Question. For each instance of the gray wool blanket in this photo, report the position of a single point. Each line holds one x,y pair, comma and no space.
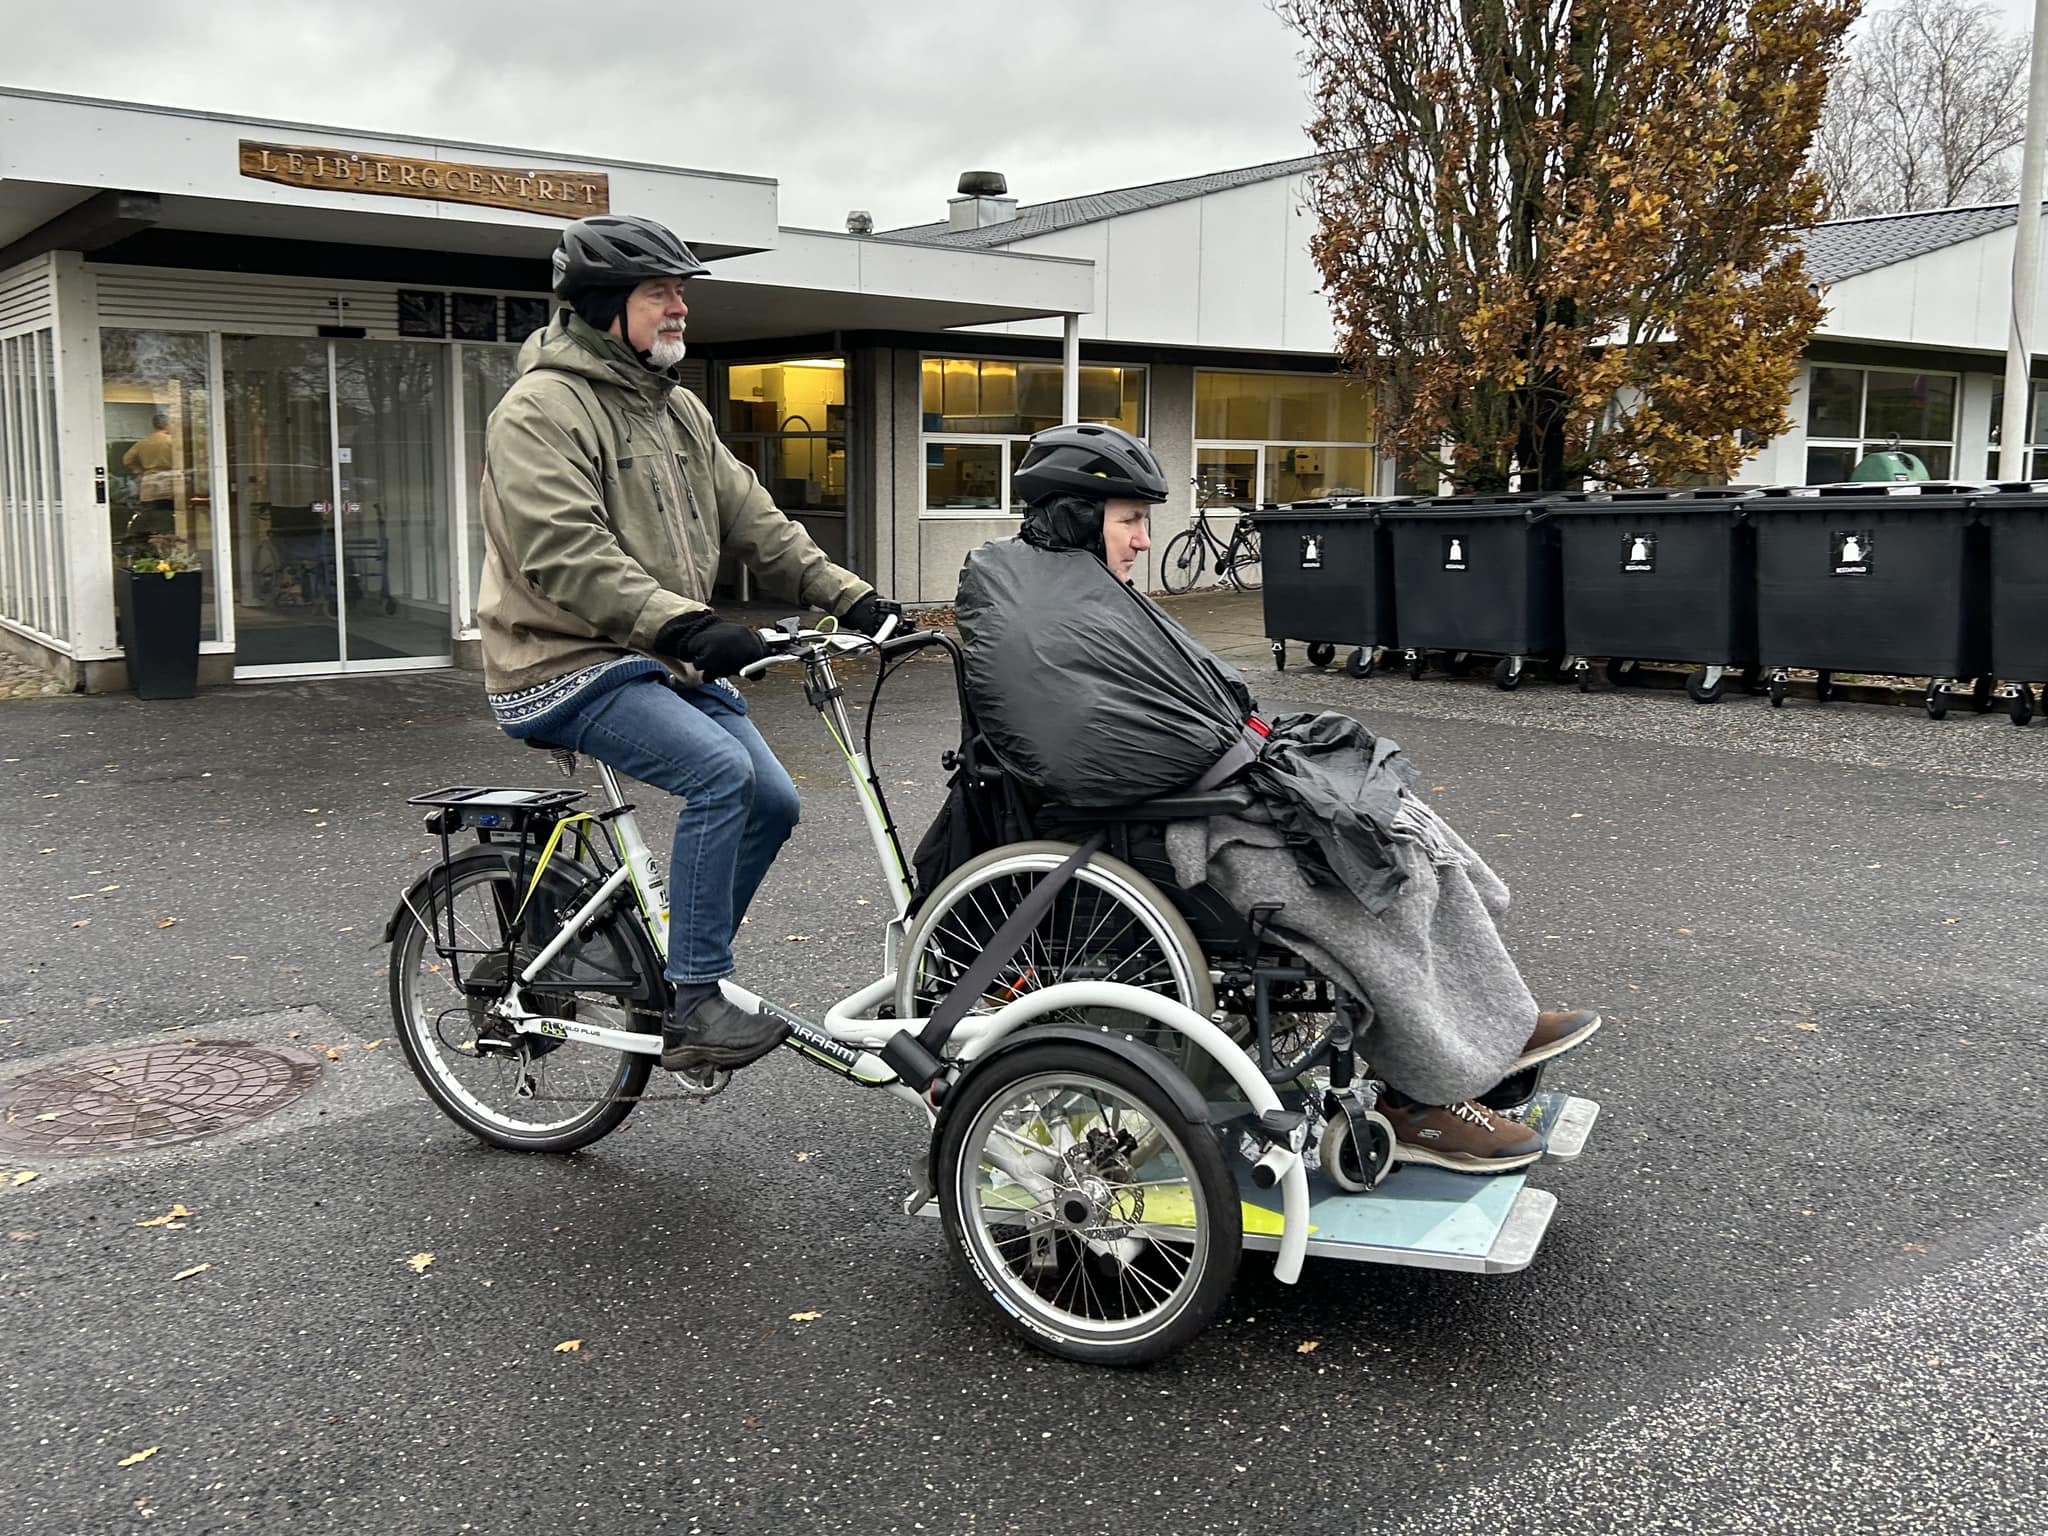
1451,1012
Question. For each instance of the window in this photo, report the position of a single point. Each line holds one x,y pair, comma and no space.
34,580
1282,437
787,423
156,413
2037,455
979,413
1851,412
487,372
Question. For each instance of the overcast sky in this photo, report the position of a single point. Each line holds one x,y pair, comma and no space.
876,105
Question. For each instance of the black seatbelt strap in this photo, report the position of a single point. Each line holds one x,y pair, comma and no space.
1005,942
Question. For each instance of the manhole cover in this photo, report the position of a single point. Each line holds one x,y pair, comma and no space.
149,1096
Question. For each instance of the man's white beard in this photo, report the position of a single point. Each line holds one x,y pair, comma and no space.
667,351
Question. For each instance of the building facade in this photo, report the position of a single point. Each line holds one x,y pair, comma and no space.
279,343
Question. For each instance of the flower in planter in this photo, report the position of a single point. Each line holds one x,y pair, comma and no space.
166,556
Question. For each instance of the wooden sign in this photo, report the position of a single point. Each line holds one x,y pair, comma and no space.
564,194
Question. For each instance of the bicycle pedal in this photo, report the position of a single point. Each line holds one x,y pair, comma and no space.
703,1082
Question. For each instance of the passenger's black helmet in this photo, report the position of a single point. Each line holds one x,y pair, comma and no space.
1094,462
618,251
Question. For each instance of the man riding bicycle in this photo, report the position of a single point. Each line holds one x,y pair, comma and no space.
608,502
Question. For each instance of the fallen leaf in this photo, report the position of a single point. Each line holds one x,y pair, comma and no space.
1916,1247
749,1421
569,1347
83,922
805,1317
796,938
1308,1346
196,1269
419,1262
21,1237
51,1114
1685,933
1436,789
175,1213
805,1157
1808,1025
333,1054
27,1177
293,1034
106,888
486,1284
169,922
129,1461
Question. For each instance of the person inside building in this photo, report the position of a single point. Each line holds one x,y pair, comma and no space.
1372,885
153,461
608,502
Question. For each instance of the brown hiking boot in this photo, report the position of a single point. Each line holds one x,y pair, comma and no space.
1466,1138
1555,1034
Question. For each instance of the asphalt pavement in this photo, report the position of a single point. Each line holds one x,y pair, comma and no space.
1793,1284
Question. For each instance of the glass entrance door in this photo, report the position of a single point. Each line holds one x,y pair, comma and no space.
337,471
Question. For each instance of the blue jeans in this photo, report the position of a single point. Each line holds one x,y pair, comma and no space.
739,805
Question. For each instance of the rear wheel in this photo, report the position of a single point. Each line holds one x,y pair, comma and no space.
1103,1222
523,1092
1244,560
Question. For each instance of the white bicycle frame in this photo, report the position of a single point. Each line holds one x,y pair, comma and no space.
851,1035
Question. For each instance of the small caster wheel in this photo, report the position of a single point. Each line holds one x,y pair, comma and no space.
1357,1149
1507,673
1777,690
1321,654
1584,673
1700,691
1824,687
1416,665
1620,674
2023,705
1937,702
1981,694
1360,663
1279,655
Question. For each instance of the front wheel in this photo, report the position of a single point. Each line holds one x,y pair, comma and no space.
1099,1218
1182,562
522,1092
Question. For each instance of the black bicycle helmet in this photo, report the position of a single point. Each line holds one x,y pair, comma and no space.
1096,463
618,251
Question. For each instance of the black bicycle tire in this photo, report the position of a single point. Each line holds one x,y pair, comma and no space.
1170,557
408,947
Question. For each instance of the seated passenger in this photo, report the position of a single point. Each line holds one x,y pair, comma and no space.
1092,696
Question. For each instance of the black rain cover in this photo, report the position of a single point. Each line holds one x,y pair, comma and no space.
1082,687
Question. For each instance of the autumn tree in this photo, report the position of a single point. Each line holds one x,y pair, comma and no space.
1927,110
1561,237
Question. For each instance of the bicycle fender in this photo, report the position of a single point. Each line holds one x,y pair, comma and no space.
1187,1098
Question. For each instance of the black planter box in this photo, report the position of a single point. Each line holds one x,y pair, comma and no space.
160,632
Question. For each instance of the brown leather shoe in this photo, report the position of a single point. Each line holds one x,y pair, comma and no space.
1555,1034
1466,1138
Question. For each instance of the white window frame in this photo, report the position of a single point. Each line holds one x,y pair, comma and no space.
1382,467
1008,442
1859,444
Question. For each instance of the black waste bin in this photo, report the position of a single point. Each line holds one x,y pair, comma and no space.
1475,575
1884,578
1659,575
2016,521
1328,580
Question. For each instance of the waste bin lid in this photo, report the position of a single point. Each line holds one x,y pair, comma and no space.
1868,489
1320,511
1530,506
1703,500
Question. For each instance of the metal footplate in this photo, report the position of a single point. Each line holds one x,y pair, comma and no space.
1430,1218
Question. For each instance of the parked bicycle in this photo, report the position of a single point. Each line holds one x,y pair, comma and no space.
1190,554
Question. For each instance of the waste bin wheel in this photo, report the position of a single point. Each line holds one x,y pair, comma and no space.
1279,655
1585,676
1981,694
1417,662
1507,673
1321,654
1360,662
1700,691
2023,705
1937,702
1824,687
1777,693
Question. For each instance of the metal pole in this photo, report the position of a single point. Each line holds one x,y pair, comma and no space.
1070,356
2013,454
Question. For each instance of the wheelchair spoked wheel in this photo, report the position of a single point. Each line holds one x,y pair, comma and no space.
524,1093
1104,1223
1109,924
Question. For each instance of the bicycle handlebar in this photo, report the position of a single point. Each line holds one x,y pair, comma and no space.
787,644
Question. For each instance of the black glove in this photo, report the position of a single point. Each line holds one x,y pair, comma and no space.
870,611
713,646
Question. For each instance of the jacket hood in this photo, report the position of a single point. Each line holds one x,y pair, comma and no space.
1065,522
572,345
